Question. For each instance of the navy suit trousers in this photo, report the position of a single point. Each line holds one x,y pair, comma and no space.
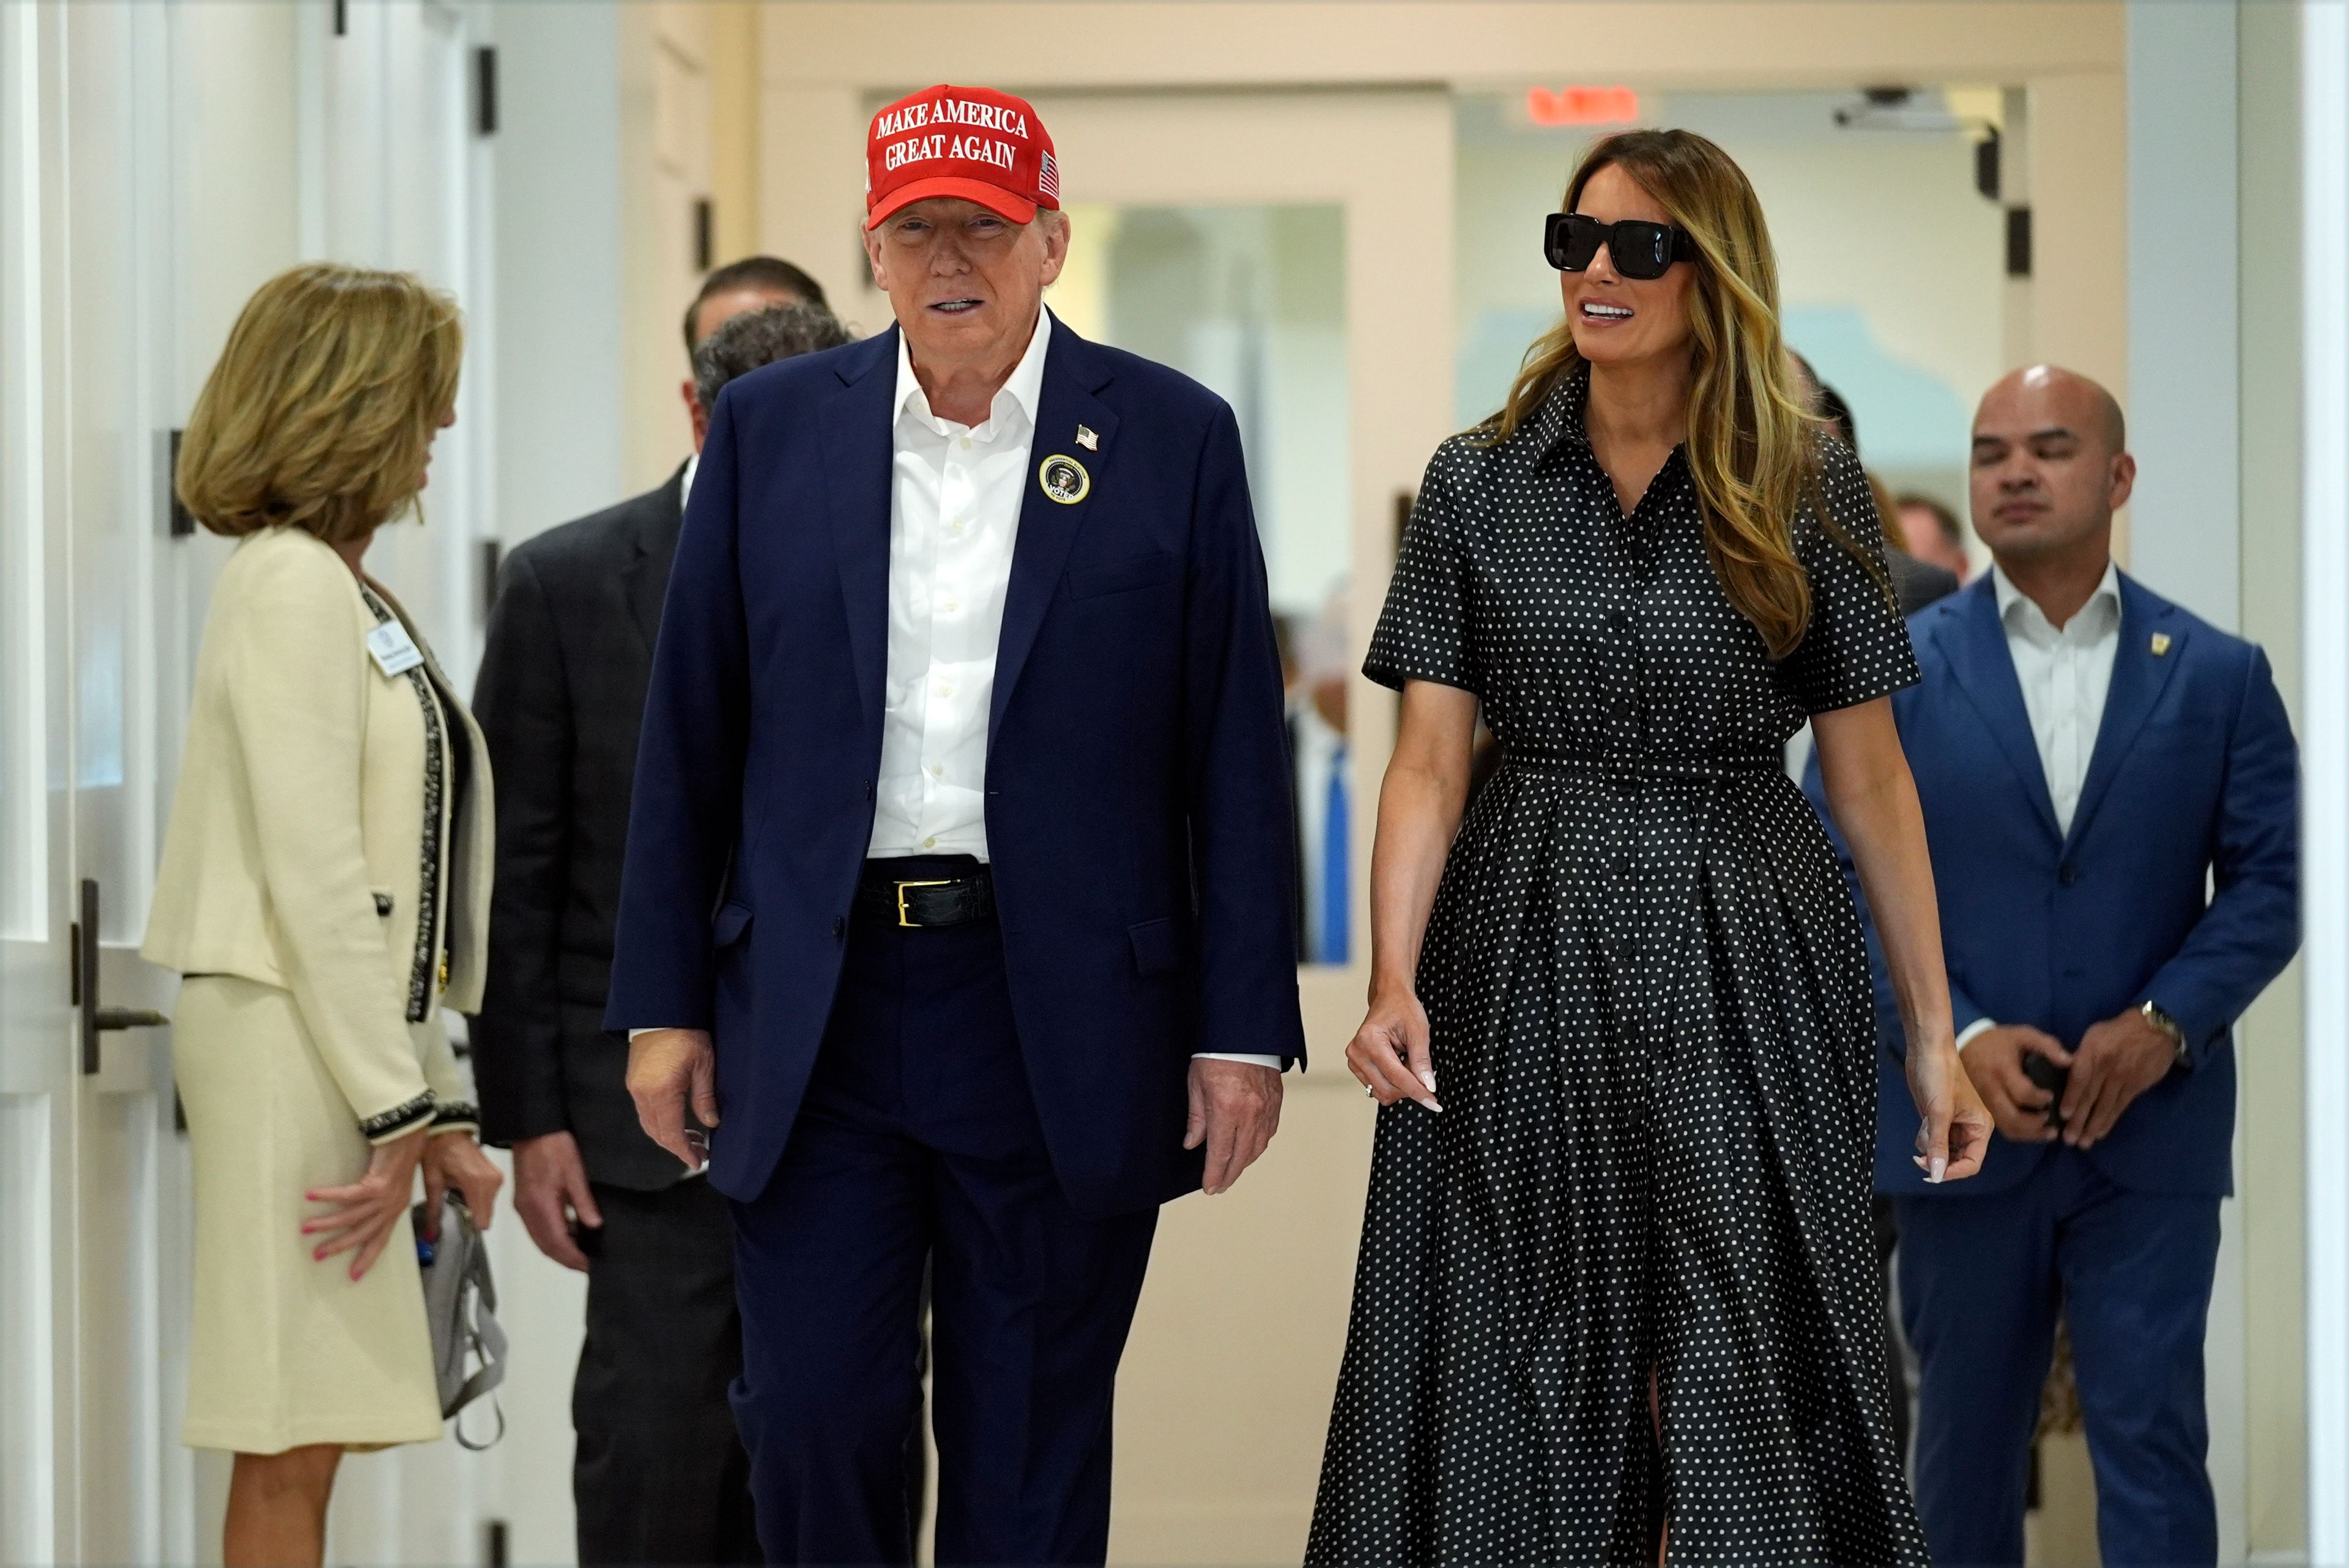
918,1143
1981,1282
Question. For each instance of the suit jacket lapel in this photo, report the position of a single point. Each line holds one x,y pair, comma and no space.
1984,668
1073,372
655,548
2139,676
858,422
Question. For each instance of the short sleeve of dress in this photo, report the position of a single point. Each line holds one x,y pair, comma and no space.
1424,631
1856,648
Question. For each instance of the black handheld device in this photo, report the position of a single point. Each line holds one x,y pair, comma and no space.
2048,1076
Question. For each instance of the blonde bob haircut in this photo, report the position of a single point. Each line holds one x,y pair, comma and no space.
1751,439
321,412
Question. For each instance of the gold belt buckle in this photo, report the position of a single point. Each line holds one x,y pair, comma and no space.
902,917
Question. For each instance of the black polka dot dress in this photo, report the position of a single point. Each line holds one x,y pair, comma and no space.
1653,1044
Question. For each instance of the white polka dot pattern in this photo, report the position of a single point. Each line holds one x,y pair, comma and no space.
1653,1036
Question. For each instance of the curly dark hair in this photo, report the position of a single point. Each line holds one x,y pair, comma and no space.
761,338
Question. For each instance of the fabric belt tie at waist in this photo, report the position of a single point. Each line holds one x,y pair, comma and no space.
928,902
1690,769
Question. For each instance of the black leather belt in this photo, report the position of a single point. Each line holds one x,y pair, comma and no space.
928,902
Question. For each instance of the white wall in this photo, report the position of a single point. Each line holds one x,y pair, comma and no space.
2184,526
559,247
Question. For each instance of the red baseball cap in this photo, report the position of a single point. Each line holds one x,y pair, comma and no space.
973,142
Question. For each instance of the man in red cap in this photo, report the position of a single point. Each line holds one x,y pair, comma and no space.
960,872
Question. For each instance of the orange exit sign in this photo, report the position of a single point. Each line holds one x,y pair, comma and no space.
1582,106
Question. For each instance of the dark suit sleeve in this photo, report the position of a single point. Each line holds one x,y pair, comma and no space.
2251,928
1240,800
1889,1032
524,705
688,788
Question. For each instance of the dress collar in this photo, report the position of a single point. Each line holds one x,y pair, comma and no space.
1025,389
1559,419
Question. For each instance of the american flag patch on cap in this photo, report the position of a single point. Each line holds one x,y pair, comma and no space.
1047,178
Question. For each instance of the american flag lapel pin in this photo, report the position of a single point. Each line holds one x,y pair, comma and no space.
1087,439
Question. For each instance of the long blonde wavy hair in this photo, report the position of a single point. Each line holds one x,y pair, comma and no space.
1752,441
321,411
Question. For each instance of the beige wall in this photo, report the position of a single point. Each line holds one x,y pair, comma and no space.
665,147
733,36
691,130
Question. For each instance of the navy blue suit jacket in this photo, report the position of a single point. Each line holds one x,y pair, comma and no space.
1138,818
2179,882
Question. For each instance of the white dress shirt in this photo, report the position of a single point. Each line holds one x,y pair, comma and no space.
2065,676
954,495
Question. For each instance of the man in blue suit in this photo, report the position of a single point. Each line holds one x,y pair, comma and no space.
959,875
2109,790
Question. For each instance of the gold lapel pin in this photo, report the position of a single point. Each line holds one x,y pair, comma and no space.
2160,644
1063,479
1087,439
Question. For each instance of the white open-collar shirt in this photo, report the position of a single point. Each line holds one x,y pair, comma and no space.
955,494
2065,675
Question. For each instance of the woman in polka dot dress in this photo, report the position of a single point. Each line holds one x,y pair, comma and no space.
1616,1298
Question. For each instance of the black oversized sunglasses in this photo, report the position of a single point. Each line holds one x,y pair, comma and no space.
1642,250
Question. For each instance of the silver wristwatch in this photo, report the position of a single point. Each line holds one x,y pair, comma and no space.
2169,1026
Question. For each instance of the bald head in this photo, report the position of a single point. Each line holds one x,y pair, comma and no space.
2050,467
2079,403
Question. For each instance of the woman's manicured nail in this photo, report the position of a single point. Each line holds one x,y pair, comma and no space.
1939,1168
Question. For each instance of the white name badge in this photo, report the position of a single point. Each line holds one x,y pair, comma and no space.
394,651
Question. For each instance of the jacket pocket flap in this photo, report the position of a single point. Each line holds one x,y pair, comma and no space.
727,928
1155,951
1119,576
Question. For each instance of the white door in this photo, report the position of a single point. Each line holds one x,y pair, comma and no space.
153,166
90,1175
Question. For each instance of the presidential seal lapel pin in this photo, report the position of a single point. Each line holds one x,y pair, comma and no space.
2160,644
1064,479
1087,439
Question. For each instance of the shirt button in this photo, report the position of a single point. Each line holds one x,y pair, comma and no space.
956,526
931,843
944,690
951,605
937,769
966,443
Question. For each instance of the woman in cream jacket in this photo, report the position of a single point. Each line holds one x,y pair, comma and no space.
323,890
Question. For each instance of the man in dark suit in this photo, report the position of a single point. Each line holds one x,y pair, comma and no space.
659,1474
959,872
2109,793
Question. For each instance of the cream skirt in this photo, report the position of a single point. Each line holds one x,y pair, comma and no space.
287,1350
